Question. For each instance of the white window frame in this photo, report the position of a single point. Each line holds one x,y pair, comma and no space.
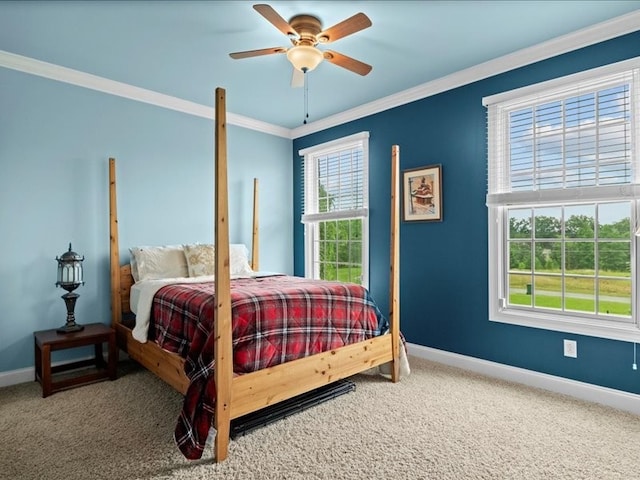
500,197
311,217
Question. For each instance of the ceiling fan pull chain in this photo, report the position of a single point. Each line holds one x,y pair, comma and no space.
306,97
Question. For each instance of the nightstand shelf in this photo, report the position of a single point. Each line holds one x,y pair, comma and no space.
47,341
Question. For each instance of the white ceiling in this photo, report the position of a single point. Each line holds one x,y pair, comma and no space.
180,48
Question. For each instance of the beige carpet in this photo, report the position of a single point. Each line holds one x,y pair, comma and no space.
439,423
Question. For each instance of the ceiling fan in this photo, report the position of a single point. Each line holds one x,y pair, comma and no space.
305,33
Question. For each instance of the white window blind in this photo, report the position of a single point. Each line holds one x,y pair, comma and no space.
564,143
335,180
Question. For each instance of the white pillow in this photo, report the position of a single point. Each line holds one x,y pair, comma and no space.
150,263
239,259
201,259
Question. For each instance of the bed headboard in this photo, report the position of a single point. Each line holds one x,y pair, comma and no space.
126,282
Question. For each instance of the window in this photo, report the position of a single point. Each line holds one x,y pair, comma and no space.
336,210
563,198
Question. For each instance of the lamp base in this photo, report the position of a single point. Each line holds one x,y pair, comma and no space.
71,325
70,328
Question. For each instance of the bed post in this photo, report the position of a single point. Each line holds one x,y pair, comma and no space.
114,251
394,278
223,370
255,260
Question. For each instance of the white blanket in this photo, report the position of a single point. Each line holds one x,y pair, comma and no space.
141,299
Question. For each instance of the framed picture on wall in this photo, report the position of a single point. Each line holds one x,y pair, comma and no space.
422,194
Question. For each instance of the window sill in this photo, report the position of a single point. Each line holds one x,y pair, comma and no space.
626,332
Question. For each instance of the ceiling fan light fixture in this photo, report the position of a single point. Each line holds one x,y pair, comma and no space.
304,57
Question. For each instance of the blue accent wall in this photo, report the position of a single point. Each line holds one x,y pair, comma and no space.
444,265
55,141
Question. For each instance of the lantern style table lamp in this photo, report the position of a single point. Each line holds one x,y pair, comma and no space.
70,278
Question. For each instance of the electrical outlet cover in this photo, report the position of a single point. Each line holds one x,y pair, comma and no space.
571,348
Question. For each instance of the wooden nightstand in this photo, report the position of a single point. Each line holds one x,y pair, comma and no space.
94,334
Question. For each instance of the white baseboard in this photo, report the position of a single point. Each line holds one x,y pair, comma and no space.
626,401
23,375
14,377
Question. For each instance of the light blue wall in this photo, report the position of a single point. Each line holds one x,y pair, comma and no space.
444,266
55,141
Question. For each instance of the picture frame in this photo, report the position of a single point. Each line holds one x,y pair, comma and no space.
422,194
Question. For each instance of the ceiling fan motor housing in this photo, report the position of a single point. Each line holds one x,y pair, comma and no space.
307,27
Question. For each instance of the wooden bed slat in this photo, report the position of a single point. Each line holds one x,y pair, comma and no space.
166,365
256,390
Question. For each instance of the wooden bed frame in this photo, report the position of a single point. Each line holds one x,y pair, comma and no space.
237,396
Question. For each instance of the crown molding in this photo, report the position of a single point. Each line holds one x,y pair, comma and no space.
260,126
112,87
572,41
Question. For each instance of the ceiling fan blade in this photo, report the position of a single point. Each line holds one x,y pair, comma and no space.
351,25
257,53
276,20
349,63
297,78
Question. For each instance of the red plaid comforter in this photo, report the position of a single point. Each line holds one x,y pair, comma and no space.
275,319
